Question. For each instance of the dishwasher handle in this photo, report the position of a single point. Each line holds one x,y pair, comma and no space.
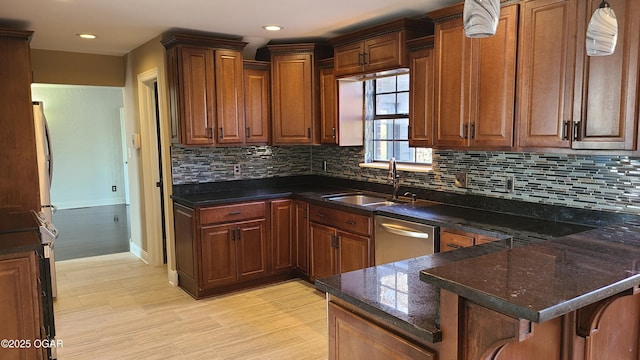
403,231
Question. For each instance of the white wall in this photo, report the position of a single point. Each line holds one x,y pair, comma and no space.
85,128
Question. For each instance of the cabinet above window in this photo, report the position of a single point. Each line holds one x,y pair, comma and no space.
377,48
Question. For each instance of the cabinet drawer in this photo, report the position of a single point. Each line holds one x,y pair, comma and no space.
450,241
343,220
233,212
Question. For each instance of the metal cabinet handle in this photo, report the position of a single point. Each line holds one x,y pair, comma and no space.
221,133
350,222
233,234
465,129
235,213
401,230
209,133
454,246
576,131
248,132
472,131
333,134
320,215
565,130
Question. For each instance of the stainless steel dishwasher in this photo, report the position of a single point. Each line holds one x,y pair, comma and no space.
399,239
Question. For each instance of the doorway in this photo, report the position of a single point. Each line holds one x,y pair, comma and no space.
155,174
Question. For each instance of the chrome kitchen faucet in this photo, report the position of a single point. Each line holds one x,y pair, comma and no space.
394,177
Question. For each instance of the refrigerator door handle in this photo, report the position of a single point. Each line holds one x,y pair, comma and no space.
50,150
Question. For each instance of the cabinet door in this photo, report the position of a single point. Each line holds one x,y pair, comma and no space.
301,235
257,110
606,92
494,84
348,58
452,93
282,235
229,95
251,249
545,72
323,258
384,52
351,334
198,97
19,304
421,66
218,255
184,225
328,107
354,252
292,98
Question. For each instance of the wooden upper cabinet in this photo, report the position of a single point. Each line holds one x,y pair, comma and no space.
377,48
257,102
474,82
545,73
341,108
295,93
421,67
205,86
328,104
229,96
605,111
19,186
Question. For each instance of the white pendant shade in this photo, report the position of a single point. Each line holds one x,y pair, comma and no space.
602,32
481,18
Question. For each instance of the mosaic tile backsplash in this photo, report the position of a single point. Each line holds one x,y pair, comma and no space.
610,183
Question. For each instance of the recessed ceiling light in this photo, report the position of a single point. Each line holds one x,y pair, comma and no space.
272,27
86,36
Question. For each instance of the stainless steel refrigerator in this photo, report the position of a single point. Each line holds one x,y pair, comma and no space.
48,231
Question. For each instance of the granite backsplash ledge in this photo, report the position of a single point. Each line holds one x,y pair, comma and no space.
610,183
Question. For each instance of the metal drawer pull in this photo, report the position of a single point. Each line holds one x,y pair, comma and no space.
350,222
454,246
235,213
401,230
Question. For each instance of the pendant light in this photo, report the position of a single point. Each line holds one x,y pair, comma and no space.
602,32
481,18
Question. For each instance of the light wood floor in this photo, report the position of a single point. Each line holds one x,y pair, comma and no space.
117,307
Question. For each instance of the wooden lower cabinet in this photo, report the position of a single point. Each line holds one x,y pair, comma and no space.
20,309
353,337
301,232
233,252
339,241
224,248
452,239
282,234
608,329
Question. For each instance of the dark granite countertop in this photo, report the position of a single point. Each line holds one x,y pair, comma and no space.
542,281
395,292
24,241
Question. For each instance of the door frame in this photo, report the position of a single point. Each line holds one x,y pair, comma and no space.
150,157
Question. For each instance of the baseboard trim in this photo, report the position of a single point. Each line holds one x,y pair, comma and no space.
138,252
173,277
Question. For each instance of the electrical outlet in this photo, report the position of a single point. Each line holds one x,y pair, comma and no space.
461,180
509,184
236,170
114,188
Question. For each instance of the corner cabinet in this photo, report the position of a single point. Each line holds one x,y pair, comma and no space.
339,241
475,82
295,92
452,239
421,72
257,102
377,48
205,90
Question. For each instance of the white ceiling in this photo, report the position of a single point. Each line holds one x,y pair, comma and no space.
123,25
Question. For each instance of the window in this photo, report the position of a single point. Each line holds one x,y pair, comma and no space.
387,125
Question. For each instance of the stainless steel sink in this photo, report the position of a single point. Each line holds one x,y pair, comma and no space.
362,200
